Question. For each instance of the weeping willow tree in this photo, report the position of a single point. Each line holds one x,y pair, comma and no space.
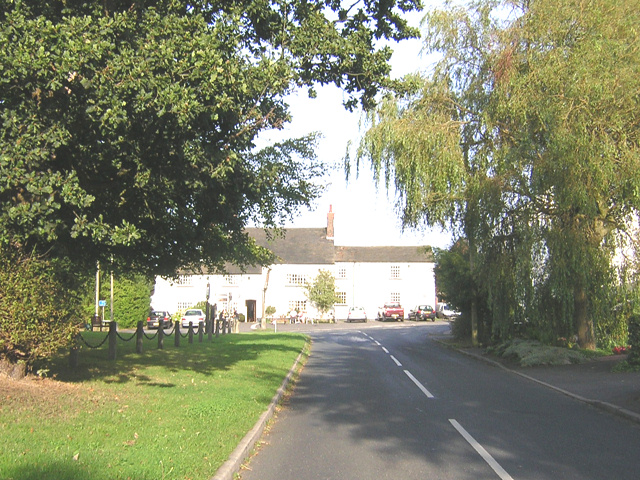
566,97
432,140
523,137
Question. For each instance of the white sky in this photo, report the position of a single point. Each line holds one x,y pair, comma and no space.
364,214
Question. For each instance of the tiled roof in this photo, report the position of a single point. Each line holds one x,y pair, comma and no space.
384,254
302,246
299,246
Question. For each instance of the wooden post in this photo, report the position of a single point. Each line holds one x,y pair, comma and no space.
161,336
139,337
113,339
190,332
177,334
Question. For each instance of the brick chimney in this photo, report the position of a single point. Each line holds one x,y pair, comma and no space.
330,223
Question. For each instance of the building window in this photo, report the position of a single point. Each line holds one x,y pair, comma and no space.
296,279
185,280
395,297
342,273
395,272
342,297
298,305
184,306
230,280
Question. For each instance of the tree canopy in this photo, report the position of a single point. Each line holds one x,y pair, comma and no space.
129,128
525,135
321,292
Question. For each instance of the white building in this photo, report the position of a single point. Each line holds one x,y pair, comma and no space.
365,276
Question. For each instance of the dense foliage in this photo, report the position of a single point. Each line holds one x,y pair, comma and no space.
128,129
321,292
39,312
524,137
131,299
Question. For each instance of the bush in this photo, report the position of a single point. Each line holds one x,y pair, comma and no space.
40,311
634,340
131,298
530,353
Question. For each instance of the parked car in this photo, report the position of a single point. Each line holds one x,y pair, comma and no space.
422,312
393,311
159,317
445,311
356,314
194,315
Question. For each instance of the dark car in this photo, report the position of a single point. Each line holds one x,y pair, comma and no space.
423,312
158,317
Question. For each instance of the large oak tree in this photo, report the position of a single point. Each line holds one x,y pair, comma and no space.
128,128
128,132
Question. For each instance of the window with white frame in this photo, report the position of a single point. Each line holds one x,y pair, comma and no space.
342,272
185,280
395,272
342,296
231,279
296,279
184,305
395,297
298,305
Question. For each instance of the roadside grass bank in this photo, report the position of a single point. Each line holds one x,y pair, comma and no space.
175,413
530,353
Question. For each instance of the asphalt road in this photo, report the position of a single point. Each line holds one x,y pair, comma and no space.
384,401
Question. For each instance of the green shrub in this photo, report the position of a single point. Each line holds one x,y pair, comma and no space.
634,340
131,299
39,306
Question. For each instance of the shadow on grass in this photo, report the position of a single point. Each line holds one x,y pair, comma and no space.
57,470
208,357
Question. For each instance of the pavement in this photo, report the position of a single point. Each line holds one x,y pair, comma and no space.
593,382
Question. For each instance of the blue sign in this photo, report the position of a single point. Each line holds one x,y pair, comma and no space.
102,303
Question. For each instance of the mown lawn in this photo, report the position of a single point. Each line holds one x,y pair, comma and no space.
175,413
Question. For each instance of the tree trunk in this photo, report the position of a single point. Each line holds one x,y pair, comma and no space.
474,293
13,370
582,321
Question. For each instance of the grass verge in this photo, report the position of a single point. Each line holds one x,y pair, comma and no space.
175,413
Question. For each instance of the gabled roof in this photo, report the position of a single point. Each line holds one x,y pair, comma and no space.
310,246
420,254
299,246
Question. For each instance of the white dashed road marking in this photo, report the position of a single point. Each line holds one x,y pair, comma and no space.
481,451
419,385
395,360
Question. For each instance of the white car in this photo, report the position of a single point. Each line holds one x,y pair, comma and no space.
194,315
356,314
445,311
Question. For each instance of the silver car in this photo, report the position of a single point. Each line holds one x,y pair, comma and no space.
194,315
356,314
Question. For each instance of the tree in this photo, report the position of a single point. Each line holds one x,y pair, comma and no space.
429,137
128,128
568,119
321,292
525,136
